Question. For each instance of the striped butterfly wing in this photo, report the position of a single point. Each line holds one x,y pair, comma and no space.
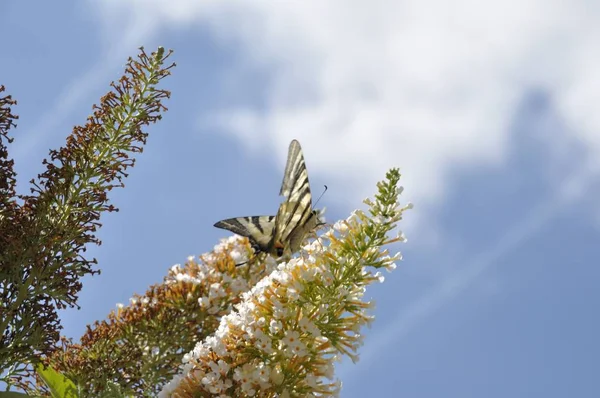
296,217
258,229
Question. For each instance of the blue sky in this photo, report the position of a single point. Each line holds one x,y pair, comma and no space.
489,109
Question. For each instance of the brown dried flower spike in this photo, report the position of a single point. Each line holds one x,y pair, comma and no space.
43,236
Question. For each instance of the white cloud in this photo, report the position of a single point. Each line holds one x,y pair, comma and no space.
415,84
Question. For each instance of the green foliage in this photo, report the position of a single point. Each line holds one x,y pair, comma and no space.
58,385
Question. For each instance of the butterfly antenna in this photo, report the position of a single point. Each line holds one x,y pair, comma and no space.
320,196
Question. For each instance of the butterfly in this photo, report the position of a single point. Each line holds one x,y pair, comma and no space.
283,234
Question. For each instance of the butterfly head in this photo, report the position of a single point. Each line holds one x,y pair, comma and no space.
319,215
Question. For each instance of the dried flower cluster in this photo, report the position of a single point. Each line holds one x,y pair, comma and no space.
43,236
284,337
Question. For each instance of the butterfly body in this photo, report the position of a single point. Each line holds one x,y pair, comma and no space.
283,234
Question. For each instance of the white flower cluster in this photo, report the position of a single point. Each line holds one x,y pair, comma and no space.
206,268
269,331
220,286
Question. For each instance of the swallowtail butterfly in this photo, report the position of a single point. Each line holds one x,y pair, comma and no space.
282,235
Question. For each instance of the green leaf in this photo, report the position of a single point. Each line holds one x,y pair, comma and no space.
60,386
